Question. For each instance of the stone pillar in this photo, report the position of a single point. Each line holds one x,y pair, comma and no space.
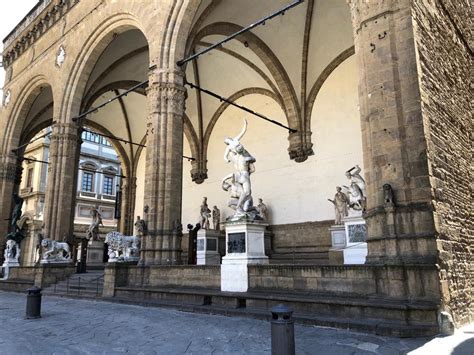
61,185
127,208
392,134
10,178
164,165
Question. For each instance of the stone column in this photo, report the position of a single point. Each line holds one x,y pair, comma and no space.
392,134
10,178
129,191
61,185
164,165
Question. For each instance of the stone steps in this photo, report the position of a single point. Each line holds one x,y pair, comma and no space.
87,285
383,317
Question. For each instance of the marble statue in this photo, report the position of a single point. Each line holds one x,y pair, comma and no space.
122,247
216,218
262,210
93,230
14,238
12,253
340,203
140,227
61,56
389,200
205,214
239,182
356,191
55,251
7,98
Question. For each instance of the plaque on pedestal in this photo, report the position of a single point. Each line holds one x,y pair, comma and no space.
208,247
244,245
349,241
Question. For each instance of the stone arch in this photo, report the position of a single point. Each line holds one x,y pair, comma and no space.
20,109
178,26
224,105
322,79
94,46
258,46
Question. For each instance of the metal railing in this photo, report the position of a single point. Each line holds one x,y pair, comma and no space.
73,288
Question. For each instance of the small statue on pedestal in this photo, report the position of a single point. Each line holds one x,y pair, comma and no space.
205,214
140,227
92,232
216,218
262,210
340,203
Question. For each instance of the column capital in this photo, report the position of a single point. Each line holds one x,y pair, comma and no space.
300,146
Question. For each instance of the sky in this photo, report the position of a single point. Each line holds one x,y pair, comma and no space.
11,13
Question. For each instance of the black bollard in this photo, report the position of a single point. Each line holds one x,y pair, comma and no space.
283,331
33,303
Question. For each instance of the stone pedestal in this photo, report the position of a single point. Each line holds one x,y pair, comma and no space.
95,253
244,245
6,268
208,247
349,241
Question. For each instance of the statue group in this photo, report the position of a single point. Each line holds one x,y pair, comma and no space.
349,197
238,183
17,226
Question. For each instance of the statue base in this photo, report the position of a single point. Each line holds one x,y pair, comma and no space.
129,259
349,244
6,268
208,247
95,253
56,262
245,244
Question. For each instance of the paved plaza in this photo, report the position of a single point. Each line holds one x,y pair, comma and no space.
71,326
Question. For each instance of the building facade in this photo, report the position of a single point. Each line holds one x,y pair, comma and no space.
357,83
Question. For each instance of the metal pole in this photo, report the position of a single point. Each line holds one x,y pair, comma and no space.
243,30
210,93
125,93
283,332
79,287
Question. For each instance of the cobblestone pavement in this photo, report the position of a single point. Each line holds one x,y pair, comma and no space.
89,327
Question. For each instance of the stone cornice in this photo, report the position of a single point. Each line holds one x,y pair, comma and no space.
38,21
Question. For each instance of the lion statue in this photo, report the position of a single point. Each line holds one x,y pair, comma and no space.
53,250
122,247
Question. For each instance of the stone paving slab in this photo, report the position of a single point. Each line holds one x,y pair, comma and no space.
72,326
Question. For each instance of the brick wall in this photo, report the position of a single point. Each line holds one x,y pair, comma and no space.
444,56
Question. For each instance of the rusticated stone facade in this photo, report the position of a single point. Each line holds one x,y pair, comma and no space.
444,38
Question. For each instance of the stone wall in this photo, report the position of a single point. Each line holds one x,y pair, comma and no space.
195,276
443,41
301,242
414,282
